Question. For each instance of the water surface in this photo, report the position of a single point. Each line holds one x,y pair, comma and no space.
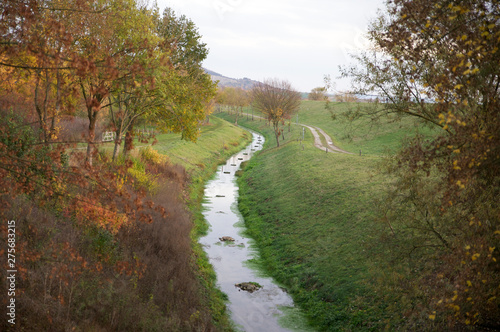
260,310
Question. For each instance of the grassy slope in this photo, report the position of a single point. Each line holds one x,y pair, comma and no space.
217,142
360,135
311,214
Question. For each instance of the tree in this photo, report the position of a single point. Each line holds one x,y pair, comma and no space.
318,94
277,100
116,50
438,61
182,88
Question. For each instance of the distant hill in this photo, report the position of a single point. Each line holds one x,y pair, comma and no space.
244,83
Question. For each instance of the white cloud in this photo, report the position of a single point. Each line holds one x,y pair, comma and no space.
296,40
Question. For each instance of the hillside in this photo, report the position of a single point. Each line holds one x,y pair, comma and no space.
244,83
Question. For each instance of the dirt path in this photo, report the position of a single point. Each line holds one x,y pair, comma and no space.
319,144
330,147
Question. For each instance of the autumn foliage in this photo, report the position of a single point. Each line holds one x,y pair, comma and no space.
438,61
97,246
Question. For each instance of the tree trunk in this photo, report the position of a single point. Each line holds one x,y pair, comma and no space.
276,128
129,136
90,145
118,142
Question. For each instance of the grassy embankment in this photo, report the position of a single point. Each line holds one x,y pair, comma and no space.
312,216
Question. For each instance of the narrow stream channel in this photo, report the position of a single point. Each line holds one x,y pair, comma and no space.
257,311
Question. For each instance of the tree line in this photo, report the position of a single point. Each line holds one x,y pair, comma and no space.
114,57
99,244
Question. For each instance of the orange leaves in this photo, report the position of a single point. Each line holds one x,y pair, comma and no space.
93,213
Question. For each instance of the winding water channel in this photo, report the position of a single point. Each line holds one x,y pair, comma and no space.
261,309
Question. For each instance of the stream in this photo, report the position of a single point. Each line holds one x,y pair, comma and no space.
260,310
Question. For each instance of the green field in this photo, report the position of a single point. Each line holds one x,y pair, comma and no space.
313,217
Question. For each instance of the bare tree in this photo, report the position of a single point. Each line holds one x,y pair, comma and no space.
278,100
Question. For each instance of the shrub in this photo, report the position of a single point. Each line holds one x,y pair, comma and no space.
148,154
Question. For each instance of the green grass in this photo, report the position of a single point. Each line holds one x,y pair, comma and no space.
215,139
371,138
312,217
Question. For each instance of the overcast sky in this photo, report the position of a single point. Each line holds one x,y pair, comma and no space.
300,41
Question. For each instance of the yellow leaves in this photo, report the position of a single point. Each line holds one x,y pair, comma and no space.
457,151
404,16
469,283
432,316
455,166
475,256
467,247
466,72
458,86
460,184
496,232
475,70
491,26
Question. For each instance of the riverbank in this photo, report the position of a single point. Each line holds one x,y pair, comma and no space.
217,142
311,214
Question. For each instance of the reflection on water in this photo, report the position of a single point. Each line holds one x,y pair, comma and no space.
257,311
